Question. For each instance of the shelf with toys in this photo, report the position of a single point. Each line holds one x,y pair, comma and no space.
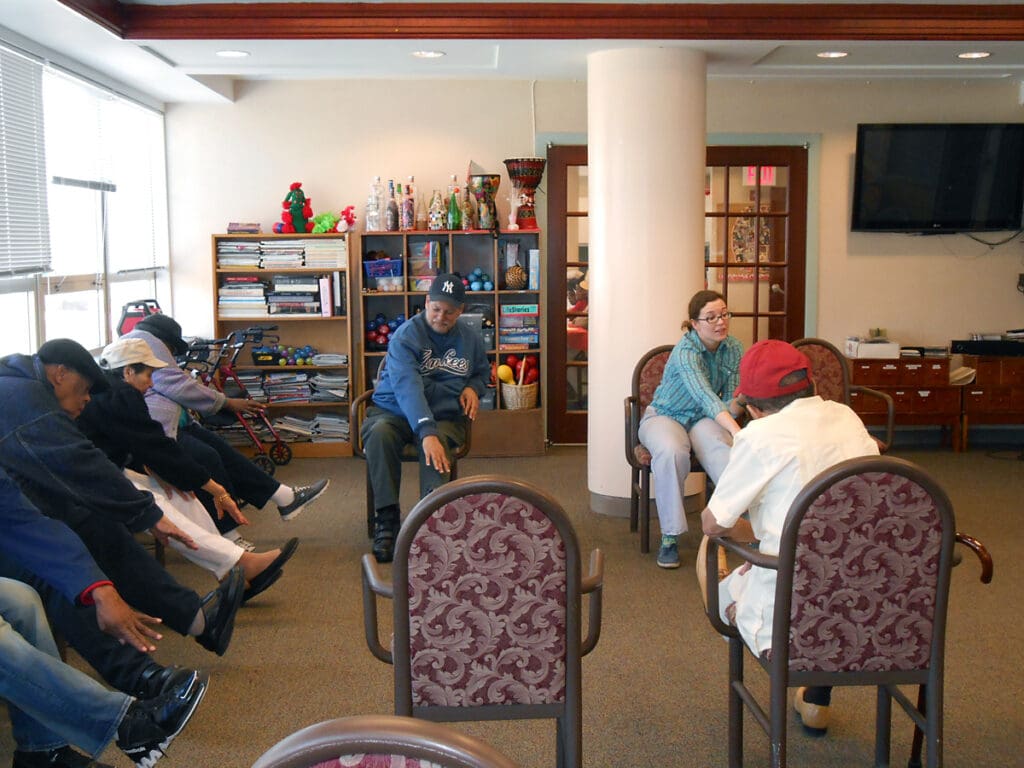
299,283
501,272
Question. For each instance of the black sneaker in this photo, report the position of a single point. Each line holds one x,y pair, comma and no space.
303,496
220,607
149,726
385,530
64,757
156,680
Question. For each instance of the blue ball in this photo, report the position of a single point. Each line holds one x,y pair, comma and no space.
476,272
476,285
400,317
488,285
393,324
381,317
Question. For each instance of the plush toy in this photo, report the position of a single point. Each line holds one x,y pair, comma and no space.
324,222
347,220
297,209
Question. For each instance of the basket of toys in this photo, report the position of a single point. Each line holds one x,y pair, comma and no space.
516,397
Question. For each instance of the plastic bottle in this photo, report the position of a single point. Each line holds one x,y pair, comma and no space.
454,218
391,212
373,206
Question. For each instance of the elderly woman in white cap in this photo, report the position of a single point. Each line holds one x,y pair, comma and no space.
118,422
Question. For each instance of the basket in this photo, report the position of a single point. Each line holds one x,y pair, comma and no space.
383,268
518,398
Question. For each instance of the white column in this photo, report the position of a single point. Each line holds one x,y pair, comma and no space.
646,158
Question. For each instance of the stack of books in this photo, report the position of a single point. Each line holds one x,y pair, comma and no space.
244,227
243,254
330,428
326,254
286,387
282,254
518,326
242,296
330,358
294,295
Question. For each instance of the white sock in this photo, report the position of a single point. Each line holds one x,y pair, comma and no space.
283,496
198,624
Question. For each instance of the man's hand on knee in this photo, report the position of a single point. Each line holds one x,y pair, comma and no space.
434,454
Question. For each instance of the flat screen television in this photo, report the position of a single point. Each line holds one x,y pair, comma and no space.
938,177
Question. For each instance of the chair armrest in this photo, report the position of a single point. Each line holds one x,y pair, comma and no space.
632,422
593,586
356,415
745,553
981,551
374,584
467,446
890,412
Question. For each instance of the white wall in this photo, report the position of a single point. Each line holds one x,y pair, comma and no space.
235,162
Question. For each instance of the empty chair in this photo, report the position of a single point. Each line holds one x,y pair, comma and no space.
861,599
380,741
832,378
486,587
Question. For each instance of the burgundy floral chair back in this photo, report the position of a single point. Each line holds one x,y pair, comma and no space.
381,741
487,593
646,377
861,598
832,378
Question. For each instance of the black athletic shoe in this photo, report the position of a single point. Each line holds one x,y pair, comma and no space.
303,496
64,757
149,726
220,607
385,530
156,680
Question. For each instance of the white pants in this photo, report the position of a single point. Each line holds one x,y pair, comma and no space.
670,447
215,553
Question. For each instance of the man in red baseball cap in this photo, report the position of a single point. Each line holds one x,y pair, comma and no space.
793,435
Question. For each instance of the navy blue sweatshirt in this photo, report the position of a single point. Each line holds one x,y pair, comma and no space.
425,373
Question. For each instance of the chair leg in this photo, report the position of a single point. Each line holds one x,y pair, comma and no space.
918,742
735,703
645,511
559,743
933,724
634,498
370,512
777,722
883,728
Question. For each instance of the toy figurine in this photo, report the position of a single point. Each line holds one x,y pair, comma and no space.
297,209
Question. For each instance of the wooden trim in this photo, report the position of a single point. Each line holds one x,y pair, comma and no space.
109,14
568,21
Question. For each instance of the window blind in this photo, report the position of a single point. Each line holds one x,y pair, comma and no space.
24,219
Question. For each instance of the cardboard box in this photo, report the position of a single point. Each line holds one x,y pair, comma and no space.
879,349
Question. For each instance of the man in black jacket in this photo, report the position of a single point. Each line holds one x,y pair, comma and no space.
71,480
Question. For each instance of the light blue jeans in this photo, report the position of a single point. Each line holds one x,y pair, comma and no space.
50,704
670,447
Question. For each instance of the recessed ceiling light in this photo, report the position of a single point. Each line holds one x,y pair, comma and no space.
233,54
428,54
833,55
974,55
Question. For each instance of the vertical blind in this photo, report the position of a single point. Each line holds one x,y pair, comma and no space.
24,221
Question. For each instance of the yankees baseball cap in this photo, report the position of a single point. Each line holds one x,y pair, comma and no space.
448,287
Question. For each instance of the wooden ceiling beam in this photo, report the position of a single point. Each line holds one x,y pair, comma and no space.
557,21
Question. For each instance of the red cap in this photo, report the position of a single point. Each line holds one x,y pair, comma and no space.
765,364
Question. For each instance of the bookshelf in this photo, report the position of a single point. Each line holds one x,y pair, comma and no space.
300,283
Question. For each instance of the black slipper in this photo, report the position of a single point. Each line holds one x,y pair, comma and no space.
262,581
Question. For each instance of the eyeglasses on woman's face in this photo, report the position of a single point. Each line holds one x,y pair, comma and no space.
712,319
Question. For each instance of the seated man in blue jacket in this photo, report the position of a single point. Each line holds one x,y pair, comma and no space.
51,704
430,383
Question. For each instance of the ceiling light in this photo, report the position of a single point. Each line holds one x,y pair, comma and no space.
974,55
428,54
833,55
233,54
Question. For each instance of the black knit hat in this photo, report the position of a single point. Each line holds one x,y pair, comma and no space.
165,328
73,355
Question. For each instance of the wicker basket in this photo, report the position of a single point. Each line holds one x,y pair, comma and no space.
516,398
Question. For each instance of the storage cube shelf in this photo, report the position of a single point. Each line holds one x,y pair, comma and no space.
422,254
268,270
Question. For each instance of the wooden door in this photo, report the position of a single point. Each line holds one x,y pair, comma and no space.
754,253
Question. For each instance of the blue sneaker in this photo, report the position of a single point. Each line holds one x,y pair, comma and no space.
668,556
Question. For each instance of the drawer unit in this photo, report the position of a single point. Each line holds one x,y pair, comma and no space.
913,371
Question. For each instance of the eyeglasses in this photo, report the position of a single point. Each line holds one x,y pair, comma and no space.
712,319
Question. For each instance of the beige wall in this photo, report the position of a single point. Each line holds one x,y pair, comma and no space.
235,162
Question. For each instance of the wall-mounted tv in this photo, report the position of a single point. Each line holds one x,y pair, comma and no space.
932,177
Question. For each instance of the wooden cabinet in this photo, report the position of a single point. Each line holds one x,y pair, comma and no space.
996,396
919,387
241,260
392,290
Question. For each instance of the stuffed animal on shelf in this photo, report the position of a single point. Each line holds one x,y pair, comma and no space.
297,210
347,220
325,222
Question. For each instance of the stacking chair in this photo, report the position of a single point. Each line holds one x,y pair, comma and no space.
861,599
646,378
380,741
356,417
832,377
486,589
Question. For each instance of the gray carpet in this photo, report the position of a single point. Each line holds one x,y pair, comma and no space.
654,689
